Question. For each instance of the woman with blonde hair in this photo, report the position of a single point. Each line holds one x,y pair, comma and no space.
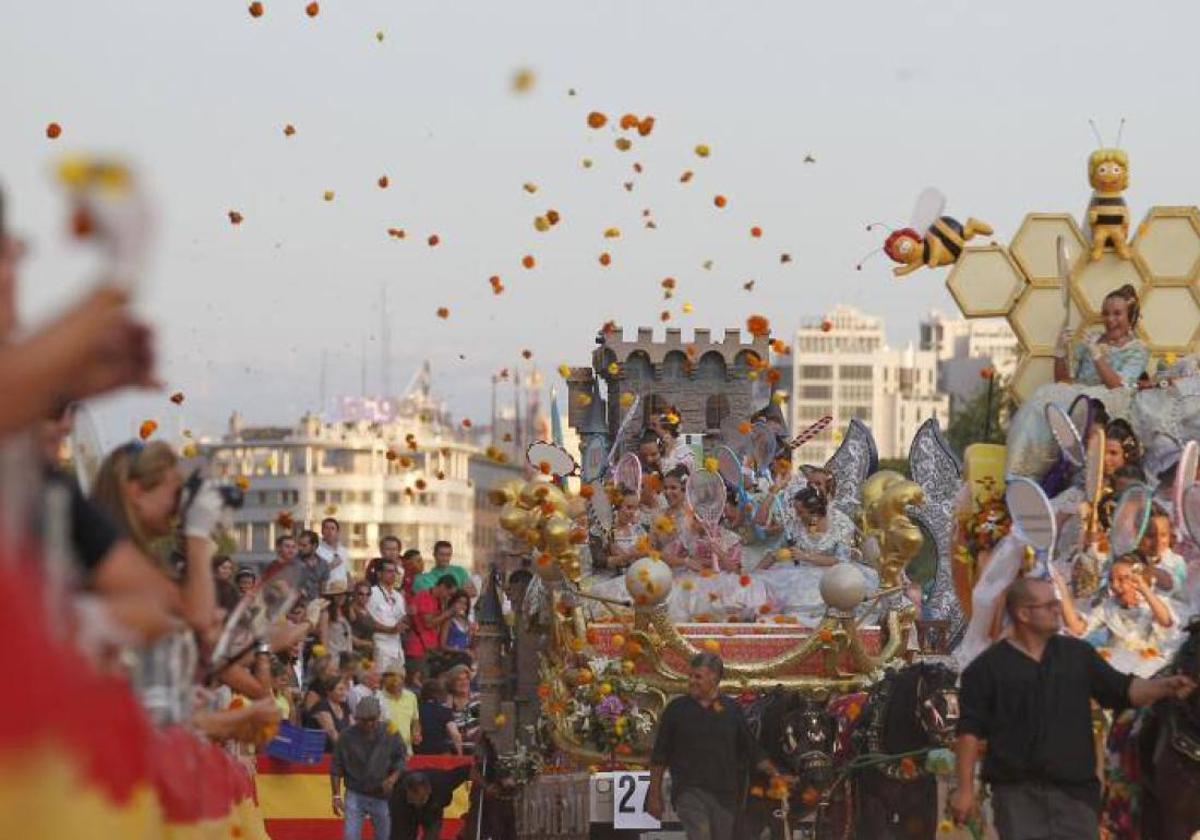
141,487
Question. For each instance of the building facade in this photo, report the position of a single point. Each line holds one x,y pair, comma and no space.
411,474
842,366
964,348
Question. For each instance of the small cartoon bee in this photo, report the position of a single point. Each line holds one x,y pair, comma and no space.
942,242
1107,214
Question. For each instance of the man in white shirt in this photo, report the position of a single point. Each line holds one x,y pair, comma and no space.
332,553
386,608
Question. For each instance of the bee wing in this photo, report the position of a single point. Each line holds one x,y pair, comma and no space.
930,204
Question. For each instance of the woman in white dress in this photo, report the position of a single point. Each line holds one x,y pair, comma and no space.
624,545
1106,365
675,452
823,537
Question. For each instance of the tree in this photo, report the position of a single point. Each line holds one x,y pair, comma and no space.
968,424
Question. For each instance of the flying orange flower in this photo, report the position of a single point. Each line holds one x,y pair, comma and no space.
256,9
397,233
433,240
383,182
629,121
443,312
645,126
235,218
826,325
312,9
758,326
53,131
605,259
528,261
177,398
686,176
497,285
720,201
586,491
289,130
147,428
466,422
596,120
756,232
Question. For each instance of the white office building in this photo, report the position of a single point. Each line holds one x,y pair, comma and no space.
842,366
964,347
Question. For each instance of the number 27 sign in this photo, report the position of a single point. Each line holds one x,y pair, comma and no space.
629,801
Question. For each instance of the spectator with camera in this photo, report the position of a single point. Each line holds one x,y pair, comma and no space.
429,610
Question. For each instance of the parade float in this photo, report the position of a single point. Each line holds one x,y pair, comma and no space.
824,696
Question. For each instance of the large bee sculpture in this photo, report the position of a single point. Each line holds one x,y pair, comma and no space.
1107,213
941,243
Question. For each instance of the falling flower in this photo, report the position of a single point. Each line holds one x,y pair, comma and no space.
379,36
586,163
629,121
710,464
702,150
528,261
665,315
433,240
289,130
147,428
177,398
625,400
744,427
780,346
712,645
583,400
312,9
466,422
756,232
541,224
397,233
612,233
328,195
564,370
189,450
988,373
523,80
544,467
235,218
686,176
497,285
613,368
596,120
420,484
383,182
758,326
785,258
443,312
586,491
242,483
687,308
53,131
256,9
285,520
623,144
645,126
826,325
553,217
605,259
526,354
530,187
720,201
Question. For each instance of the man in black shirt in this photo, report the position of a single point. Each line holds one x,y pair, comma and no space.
419,800
704,740
1028,697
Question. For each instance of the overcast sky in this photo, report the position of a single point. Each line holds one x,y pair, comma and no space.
989,102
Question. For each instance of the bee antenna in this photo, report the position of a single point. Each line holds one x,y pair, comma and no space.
859,265
1096,131
883,225
1120,131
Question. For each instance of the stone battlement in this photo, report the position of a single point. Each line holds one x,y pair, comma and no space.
730,346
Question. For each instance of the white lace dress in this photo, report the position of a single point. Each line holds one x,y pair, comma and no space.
794,586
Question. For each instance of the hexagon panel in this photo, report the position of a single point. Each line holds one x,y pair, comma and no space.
1167,245
1032,373
985,281
1170,319
1094,280
1035,246
1037,319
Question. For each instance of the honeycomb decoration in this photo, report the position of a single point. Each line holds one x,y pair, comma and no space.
1021,282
